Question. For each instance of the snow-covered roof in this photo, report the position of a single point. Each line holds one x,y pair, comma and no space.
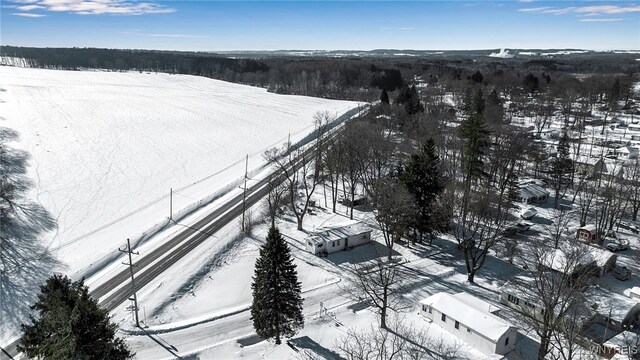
340,231
627,149
532,190
588,227
601,256
634,292
623,339
556,259
619,308
472,313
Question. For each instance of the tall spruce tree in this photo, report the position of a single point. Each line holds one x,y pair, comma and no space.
276,310
423,178
384,96
474,135
561,168
68,324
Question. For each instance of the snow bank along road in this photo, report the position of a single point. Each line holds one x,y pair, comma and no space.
117,290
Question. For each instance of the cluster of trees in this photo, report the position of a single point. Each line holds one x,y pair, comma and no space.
351,78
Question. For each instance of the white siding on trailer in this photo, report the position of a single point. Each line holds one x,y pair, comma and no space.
334,245
463,332
359,239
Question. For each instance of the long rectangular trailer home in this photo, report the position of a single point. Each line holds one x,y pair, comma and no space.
338,237
471,320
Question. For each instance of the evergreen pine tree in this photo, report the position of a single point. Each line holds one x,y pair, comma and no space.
477,77
384,97
530,83
276,310
70,325
561,168
423,178
404,95
474,134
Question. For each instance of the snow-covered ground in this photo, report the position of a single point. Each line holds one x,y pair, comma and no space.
107,147
204,312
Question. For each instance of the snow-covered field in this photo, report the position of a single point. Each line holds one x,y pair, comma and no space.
107,147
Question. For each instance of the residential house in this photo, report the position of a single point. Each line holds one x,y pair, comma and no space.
471,320
532,193
339,237
626,152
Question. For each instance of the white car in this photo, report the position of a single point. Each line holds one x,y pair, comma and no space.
529,213
617,245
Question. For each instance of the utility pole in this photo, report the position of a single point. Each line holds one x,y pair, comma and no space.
244,196
133,284
170,204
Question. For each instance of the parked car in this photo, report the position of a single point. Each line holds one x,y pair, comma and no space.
621,273
529,213
629,226
617,245
517,227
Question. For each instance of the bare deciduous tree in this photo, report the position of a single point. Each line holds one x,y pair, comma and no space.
481,228
553,290
393,208
376,282
299,172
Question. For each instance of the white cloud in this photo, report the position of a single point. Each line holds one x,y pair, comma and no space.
536,9
599,20
585,10
29,7
526,1
31,15
608,9
96,7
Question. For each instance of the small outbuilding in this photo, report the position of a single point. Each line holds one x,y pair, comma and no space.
532,193
605,260
626,152
471,320
588,233
339,237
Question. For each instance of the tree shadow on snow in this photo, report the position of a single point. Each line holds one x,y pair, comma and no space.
305,342
360,254
25,263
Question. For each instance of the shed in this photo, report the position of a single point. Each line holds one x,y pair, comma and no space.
588,233
532,193
338,237
627,152
605,260
471,320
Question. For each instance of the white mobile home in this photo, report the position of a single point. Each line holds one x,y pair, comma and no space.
471,320
532,193
339,237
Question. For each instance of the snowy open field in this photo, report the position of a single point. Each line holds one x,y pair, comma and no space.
104,145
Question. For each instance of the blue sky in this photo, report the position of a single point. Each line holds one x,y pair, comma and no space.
329,25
